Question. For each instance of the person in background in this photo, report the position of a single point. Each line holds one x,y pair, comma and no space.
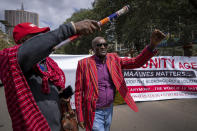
32,80
97,78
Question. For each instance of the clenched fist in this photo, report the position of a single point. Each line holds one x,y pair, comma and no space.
156,37
86,27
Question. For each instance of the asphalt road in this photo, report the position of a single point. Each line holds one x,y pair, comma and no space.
168,115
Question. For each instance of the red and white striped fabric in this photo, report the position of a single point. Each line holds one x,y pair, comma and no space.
86,86
23,110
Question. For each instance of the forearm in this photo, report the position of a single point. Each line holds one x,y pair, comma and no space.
78,100
79,111
140,60
79,93
40,46
156,37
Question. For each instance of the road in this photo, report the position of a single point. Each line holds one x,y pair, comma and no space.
168,115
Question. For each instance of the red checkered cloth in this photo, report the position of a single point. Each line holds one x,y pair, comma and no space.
24,112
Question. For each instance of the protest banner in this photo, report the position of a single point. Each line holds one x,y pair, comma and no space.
162,77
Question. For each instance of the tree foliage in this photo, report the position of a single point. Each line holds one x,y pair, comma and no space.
5,41
176,17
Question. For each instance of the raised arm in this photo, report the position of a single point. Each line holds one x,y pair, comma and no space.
136,62
40,46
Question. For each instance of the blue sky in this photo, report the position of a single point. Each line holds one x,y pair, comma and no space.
52,13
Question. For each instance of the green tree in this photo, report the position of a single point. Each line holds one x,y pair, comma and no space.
5,41
176,17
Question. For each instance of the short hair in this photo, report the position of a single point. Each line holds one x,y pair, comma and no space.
96,39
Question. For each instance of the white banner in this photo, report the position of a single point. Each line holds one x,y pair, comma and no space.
162,77
68,63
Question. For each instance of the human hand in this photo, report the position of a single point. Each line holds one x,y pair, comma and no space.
156,37
82,125
72,113
86,27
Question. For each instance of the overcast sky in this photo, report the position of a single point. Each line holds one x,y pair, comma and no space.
52,13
